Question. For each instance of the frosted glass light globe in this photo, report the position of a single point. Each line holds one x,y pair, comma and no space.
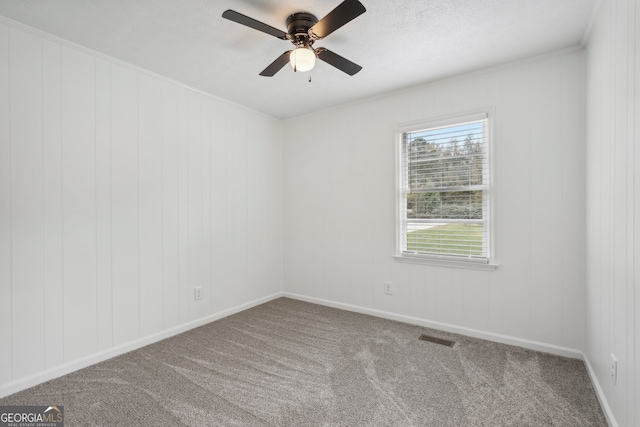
302,59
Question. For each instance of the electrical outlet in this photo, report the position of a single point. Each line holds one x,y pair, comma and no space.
614,369
388,288
197,293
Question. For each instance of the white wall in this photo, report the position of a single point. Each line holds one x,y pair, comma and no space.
339,206
120,192
613,205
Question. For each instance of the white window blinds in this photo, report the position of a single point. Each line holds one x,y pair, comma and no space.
444,183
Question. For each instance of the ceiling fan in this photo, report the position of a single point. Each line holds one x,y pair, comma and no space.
303,30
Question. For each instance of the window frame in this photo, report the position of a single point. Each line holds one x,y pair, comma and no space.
435,259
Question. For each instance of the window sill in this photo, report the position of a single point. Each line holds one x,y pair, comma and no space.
444,262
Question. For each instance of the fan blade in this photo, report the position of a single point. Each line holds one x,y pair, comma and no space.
234,16
338,61
343,13
276,65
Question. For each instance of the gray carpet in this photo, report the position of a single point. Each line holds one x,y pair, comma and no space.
291,363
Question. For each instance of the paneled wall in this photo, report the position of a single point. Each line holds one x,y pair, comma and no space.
340,215
120,192
613,206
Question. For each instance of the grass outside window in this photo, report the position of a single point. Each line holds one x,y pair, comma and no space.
455,239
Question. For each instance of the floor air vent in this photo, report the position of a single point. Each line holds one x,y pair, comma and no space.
436,340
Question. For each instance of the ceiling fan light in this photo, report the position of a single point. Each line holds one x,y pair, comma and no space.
302,59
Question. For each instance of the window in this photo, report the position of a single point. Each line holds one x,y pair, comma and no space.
443,197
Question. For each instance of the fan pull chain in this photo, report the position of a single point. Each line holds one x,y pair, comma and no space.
309,78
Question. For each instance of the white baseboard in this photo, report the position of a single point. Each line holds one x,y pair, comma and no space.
475,333
30,381
608,413
489,336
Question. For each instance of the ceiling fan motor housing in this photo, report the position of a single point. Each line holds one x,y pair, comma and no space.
298,26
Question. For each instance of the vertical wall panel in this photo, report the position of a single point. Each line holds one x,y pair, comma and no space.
5,211
124,205
379,265
430,301
448,303
606,273
573,205
399,301
150,204
195,201
292,184
598,329
546,163
256,185
276,207
239,187
496,282
255,191
27,268
632,307
205,159
619,212
367,144
634,396
515,215
52,170
183,204
358,219
476,297
417,291
219,190
313,197
104,289
170,266
336,272
79,204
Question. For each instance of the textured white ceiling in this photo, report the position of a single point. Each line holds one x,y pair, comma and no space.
399,43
